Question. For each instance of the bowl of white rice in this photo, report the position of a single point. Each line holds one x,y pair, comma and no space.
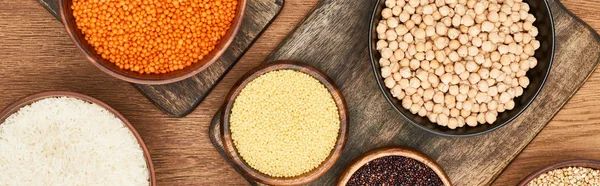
66,138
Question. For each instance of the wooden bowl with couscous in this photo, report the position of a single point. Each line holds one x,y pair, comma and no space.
152,42
284,123
15,108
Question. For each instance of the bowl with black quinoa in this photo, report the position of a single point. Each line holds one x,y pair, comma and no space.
394,166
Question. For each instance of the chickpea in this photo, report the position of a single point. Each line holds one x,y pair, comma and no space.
454,56
446,78
491,116
414,64
392,22
483,108
476,108
483,86
430,31
487,26
381,44
415,108
396,76
467,20
450,101
460,98
524,81
473,51
453,33
414,83
509,105
453,90
529,49
481,118
461,121
518,91
386,13
390,3
442,119
481,97
440,71
487,46
389,82
381,28
456,62
409,9
386,71
460,9
471,121
404,17
384,62
410,91
422,112
432,117
391,35
455,80
397,92
474,78
463,51
396,10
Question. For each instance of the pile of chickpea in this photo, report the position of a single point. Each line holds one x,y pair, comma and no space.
457,62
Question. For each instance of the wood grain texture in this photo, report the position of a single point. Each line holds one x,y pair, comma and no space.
336,47
36,55
180,98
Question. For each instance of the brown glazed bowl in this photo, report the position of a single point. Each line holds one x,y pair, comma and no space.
11,109
393,151
66,15
250,172
593,164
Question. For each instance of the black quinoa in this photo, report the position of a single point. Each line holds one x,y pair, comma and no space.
395,170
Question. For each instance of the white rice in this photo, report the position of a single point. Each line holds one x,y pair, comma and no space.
67,141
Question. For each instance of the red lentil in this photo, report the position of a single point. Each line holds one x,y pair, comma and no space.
153,36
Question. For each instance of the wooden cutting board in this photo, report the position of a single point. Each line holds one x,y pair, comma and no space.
180,98
334,39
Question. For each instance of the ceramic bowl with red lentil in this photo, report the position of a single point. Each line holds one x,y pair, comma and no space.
152,42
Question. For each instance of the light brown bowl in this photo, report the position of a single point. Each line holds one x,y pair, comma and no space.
248,171
66,15
393,151
11,109
593,164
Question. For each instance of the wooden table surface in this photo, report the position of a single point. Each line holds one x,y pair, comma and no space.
36,55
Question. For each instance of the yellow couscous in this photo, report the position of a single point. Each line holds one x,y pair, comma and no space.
284,123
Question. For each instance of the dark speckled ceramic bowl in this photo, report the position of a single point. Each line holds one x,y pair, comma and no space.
537,75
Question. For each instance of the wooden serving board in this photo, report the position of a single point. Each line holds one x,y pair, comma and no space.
334,39
180,98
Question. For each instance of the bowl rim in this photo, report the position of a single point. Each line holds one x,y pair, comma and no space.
28,100
587,163
393,151
383,90
234,30
310,176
